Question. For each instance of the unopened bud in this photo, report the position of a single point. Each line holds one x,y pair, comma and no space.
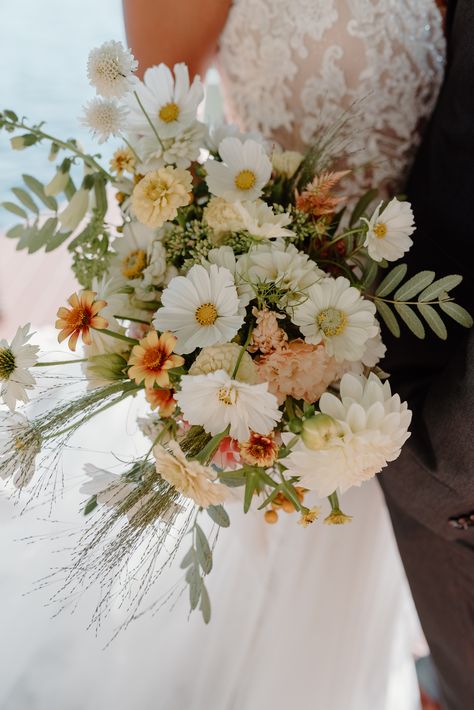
57,184
318,431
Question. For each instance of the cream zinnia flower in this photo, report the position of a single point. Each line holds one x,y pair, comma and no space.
224,357
190,478
243,173
336,314
15,359
104,118
201,308
222,216
216,401
158,196
110,68
389,230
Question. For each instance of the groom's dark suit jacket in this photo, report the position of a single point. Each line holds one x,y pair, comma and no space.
430,488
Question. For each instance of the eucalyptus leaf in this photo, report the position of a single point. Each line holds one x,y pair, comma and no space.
15,209
434,320
205,605
194,580
42,235
204,553
16,232
56,240
219,515
361,206
26,199
457,313
388,317
437,287
414,285
370,274
391,281
38,189
250,485
188,559
408,315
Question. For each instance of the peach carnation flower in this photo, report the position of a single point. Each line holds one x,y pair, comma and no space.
267,336
303,371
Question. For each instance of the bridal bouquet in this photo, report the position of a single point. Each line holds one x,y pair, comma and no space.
236,289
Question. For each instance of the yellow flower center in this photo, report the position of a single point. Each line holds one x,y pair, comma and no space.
206,314
331,321
245,180
133,264
227,396
169,112
380,230
7,363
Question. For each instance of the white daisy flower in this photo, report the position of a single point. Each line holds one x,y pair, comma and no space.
389,230
15,359
104,118
260,221
180,150
171,103
201,308
216,401
370,426
132,252
110,68
336,314
243,173
224,256
19,446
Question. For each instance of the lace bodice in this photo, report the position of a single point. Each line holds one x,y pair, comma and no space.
290,68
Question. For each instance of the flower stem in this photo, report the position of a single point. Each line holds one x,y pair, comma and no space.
135,154
118,336
132,320
407,303
149,120
242,352
61,362
357,230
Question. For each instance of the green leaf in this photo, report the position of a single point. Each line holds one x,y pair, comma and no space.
457,313
56,240
90,505
11,115
392,279
414,285
205,605
361,206
434,320
194,580
370,274
218,514
250,485
25,199
29,234
188,559
16,232
15,209
204,553
408,315
38,189
42,235
437,287
388,317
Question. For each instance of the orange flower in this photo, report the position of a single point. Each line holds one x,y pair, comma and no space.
259,450
316,198
151,359
78,319
162,399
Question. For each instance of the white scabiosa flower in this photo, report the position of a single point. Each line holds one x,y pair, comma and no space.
170,103
73,214
15,359
335,314
20,444
366,430
110,68
104,118
201,308
389,230
243,173
260,221
216,401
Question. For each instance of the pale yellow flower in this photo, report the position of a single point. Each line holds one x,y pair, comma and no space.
123,161
222,216
309,517
158,196
224,357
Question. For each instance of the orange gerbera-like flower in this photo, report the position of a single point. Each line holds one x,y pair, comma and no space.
316,198
162,399
151,359
259,450
80,318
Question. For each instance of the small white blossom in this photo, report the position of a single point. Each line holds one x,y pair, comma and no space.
389,230
15,359
104,118
110,69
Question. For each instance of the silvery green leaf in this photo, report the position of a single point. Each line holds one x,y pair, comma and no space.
408,315
16,232
436,289
457,313
194,580
203,550
219,515
434,320
188,559
392,280
414,285
205,605
388,317
42,235
25,199
370,274
56,240
38,189
15,209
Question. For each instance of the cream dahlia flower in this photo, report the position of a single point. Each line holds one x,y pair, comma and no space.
389,230
224,357
158,196
244,171
15,360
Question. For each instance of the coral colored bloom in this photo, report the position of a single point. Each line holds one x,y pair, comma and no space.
227,455
316,198
259,450
161,399
267,336
80,318
151,359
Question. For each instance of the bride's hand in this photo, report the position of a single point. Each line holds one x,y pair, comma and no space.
177,31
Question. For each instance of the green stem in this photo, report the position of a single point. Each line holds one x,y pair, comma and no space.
406,303
127,143
344,268
346,234
290,493
334,500
242,352
118,336
132,320
149,120
61,362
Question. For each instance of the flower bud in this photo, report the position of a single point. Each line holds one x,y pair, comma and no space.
318,430
18,143
286,163
75,212
57,184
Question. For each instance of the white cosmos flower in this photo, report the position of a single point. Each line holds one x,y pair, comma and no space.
243,173
110,68
201,308
181,150
216,401
336,314
372,426
132,252
224,256
104,118
171,103
15,359
19,446
389,230
259,220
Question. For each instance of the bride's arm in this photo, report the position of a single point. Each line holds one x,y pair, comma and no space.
175,31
